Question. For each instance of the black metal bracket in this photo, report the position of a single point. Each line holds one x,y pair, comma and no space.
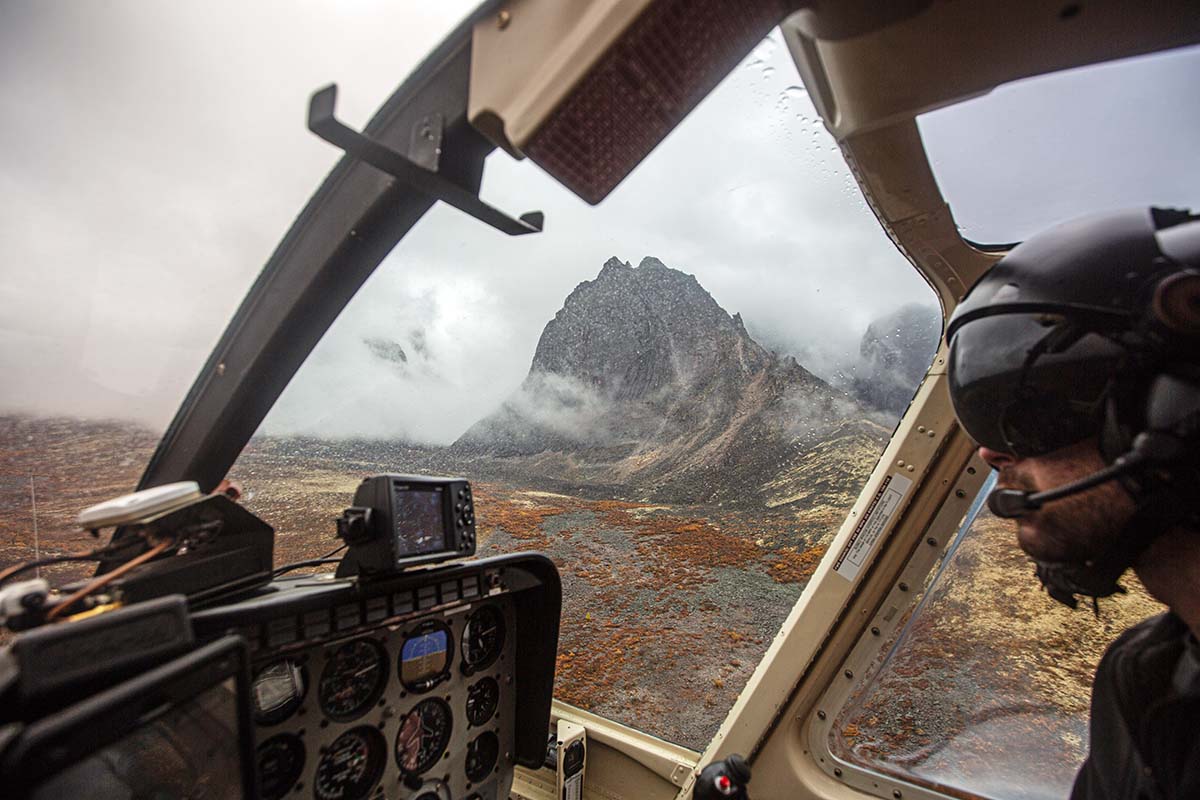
418,169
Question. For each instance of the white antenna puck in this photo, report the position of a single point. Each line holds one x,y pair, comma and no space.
142,506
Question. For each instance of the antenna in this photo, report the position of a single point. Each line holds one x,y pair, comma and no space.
37,545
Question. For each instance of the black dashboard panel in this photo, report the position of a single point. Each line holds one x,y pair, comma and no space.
430,684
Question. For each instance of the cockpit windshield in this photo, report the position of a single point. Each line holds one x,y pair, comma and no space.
676,394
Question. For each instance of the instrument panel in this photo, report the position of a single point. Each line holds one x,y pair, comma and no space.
420,709
426,684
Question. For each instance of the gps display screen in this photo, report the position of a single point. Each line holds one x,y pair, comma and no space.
420,522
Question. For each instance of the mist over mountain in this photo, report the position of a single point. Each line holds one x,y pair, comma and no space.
895,352
642,379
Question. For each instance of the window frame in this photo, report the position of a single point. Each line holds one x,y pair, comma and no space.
895,612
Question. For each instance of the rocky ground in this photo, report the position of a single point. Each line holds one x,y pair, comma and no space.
669,606
651,591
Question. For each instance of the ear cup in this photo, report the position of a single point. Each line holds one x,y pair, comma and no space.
1176,302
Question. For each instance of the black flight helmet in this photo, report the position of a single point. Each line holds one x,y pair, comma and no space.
1039,342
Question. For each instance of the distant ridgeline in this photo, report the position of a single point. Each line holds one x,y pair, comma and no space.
643,380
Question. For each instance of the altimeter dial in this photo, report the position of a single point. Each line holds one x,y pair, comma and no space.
353,679
351,766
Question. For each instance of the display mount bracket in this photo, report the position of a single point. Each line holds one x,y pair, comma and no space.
418,172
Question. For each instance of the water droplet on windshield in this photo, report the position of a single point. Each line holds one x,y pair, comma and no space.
767,73
793,92
761,53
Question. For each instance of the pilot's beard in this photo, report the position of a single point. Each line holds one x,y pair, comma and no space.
1077,528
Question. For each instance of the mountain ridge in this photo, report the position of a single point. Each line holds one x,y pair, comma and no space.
643,379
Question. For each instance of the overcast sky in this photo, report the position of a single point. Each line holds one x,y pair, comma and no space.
152,155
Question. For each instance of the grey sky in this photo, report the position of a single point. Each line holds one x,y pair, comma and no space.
1057,146
155,153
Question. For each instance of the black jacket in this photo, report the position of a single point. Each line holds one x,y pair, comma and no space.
1145,726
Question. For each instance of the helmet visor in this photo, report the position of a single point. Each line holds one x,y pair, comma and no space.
1021,384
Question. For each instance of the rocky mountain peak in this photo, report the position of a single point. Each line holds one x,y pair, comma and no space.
642,378
650,262
633,332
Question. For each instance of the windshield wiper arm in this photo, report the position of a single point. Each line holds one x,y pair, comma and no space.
422,177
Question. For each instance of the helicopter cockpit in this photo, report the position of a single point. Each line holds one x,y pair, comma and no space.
681,552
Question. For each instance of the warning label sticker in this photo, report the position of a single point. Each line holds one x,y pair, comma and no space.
866,534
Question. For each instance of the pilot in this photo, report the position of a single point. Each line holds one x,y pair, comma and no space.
1075,366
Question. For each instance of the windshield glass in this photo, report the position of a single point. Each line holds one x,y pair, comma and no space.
153,155
1043,150
676,394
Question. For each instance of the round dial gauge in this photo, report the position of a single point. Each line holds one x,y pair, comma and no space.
279,760
278,690
481,756
425,656
424,734
351,766
482,699
353,679
482,639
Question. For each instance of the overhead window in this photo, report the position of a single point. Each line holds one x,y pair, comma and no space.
1043,150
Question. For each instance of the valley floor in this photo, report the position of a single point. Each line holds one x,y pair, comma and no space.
667,608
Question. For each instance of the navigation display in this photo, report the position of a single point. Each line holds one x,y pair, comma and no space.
420,522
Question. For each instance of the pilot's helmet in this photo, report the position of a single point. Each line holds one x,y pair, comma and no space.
1059,341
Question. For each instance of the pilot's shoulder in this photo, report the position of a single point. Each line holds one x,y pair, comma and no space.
1153,642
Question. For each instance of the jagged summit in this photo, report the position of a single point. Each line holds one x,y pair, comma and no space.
632,332
641,378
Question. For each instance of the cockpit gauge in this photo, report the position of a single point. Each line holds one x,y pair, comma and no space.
425,656
278,690
482,753
482,639
432,790
351,766
423,736
353,679
280,760
483,697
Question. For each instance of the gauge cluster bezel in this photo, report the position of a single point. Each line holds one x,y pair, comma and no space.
317,729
